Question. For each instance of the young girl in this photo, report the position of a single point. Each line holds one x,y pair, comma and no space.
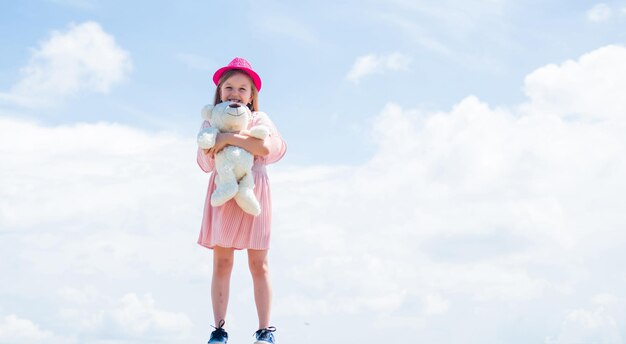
227,228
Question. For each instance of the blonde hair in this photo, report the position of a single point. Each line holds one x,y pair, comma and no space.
253,106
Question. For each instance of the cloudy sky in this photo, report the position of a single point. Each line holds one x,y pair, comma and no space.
455,170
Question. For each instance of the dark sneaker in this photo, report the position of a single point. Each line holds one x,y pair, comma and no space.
219,336
265,335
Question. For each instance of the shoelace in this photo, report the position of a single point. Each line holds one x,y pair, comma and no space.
264,333
220,324
219,331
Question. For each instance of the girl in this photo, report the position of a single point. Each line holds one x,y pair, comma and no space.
227,228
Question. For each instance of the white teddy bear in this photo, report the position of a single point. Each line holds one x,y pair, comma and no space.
233,164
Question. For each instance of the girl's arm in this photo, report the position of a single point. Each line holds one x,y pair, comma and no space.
251,144
205,161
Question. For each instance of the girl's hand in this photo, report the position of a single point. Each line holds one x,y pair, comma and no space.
222,140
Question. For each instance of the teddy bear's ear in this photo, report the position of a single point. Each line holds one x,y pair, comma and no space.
206,112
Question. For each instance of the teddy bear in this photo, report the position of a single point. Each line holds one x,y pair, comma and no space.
233,164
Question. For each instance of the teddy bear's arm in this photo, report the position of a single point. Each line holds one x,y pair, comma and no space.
206,137
260,132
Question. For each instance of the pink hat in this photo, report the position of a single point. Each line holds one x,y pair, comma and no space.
242,64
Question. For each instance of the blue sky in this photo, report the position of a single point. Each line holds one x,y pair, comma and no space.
304,52
454,171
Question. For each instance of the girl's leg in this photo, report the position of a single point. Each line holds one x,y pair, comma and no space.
257,261
220,283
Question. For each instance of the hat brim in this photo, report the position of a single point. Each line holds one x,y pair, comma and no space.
253,75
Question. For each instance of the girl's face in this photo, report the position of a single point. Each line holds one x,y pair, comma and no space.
237,88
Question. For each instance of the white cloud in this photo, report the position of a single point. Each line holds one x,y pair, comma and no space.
73,171
82,58
130,317
584,326
116,193
138,317
599,13
479,202
74,174
435,304
377,64
17,330
565,89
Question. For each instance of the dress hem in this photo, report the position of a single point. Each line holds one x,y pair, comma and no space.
209,246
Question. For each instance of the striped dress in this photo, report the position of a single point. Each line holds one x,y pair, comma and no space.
228,225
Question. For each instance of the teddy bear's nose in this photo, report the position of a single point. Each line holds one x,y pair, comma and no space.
234,105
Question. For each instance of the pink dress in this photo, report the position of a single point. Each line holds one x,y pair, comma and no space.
228,225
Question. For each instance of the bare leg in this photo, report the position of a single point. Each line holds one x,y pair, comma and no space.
259,268
220,283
